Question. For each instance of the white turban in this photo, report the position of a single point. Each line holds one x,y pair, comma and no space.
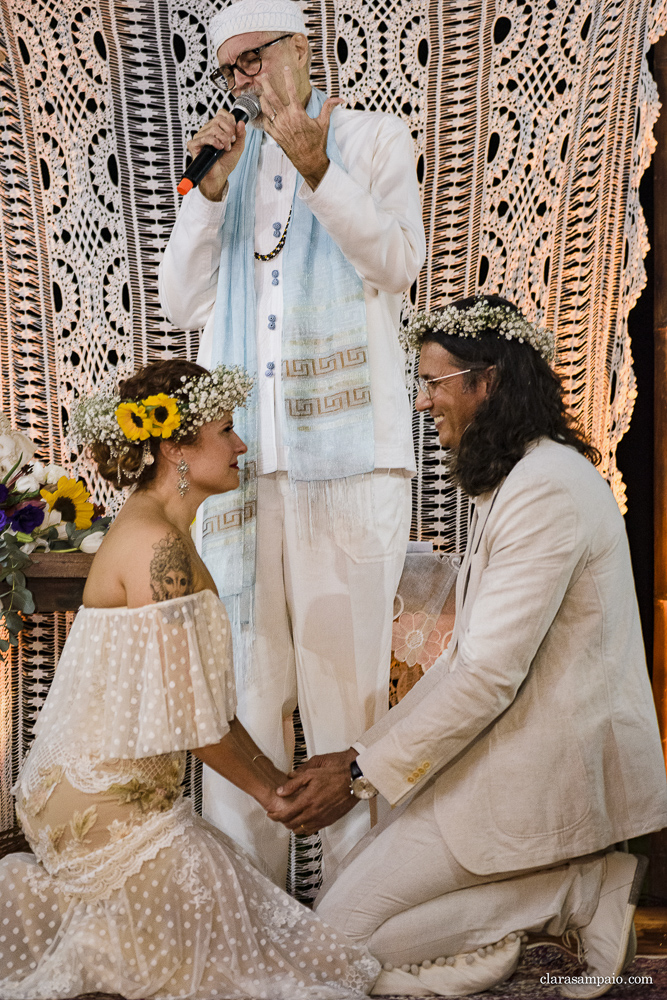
255,15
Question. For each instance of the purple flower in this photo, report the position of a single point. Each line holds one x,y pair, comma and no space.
4,520
27,518
4,492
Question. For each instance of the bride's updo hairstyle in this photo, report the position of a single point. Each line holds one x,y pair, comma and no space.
160,377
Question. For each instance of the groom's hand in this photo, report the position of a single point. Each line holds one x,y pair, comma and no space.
317,794
331,761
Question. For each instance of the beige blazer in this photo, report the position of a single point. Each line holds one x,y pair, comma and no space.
537,725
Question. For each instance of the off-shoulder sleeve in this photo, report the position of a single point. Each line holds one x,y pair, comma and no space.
145,681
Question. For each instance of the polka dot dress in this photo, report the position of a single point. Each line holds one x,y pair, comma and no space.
128,891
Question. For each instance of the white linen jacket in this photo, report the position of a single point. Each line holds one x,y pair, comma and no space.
537,725
372,210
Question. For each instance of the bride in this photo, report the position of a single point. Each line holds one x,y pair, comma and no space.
128,890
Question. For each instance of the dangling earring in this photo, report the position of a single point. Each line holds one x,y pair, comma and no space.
183,485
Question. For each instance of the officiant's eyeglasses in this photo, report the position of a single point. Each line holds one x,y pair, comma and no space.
249,63
424,384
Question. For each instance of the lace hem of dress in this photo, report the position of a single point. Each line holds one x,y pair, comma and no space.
97,874
281,915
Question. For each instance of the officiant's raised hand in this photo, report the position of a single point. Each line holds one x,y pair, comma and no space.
302,139
316,794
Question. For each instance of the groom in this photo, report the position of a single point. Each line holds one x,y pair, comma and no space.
531,747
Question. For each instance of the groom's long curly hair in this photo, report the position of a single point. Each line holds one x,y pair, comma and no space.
525,403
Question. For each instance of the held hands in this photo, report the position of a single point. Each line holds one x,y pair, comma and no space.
223,132
303,139
268,797
316,794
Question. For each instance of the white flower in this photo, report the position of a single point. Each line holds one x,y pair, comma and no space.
52,518
27,483
14,447
92,542
37,543
53,474
38,470
61,528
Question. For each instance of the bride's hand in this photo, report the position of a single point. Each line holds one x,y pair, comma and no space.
268,770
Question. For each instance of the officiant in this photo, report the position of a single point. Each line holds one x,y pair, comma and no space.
294,253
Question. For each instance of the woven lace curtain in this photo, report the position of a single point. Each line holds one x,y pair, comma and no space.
532,125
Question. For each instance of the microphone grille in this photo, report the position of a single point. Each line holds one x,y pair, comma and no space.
250,104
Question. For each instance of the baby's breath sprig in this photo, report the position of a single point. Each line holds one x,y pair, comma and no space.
475,319
207,397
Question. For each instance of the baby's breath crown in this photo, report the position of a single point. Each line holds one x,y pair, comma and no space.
478,318
105,418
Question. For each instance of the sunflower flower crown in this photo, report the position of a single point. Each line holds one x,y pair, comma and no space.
478,318
105,418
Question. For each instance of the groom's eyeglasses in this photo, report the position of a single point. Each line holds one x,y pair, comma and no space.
424,384
249,63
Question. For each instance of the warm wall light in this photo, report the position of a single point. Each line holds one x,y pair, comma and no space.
6,807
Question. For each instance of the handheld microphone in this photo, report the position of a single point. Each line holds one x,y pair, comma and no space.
245,109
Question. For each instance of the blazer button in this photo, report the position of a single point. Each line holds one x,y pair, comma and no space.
410,780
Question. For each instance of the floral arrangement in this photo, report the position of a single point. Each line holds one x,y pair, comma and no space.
104,418
40,508
476,319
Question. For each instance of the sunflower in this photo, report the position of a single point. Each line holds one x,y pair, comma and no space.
70,498
133,421
164,414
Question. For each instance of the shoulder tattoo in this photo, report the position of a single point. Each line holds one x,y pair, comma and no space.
171,568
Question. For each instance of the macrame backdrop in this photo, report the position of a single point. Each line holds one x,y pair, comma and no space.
532,128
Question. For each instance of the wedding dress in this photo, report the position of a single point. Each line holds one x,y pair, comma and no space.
129,891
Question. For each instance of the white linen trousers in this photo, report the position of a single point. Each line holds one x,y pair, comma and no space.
323,606
402,892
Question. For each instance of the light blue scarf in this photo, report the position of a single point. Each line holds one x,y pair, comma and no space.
325,373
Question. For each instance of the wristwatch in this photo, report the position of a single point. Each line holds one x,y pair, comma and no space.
360,786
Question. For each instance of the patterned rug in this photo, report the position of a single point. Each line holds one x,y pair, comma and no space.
545,961
541,961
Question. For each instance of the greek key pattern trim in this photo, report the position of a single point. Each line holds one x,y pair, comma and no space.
352,357
229,519
324,406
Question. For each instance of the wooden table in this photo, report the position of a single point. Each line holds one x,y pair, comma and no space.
57,579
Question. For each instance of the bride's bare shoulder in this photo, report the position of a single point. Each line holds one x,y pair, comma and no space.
144,558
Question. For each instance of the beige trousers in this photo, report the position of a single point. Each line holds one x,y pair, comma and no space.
326,580
403,893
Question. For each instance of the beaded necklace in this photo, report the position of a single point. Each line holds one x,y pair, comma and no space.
281,243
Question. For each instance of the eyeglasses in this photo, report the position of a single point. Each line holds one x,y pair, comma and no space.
249,63
424,384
